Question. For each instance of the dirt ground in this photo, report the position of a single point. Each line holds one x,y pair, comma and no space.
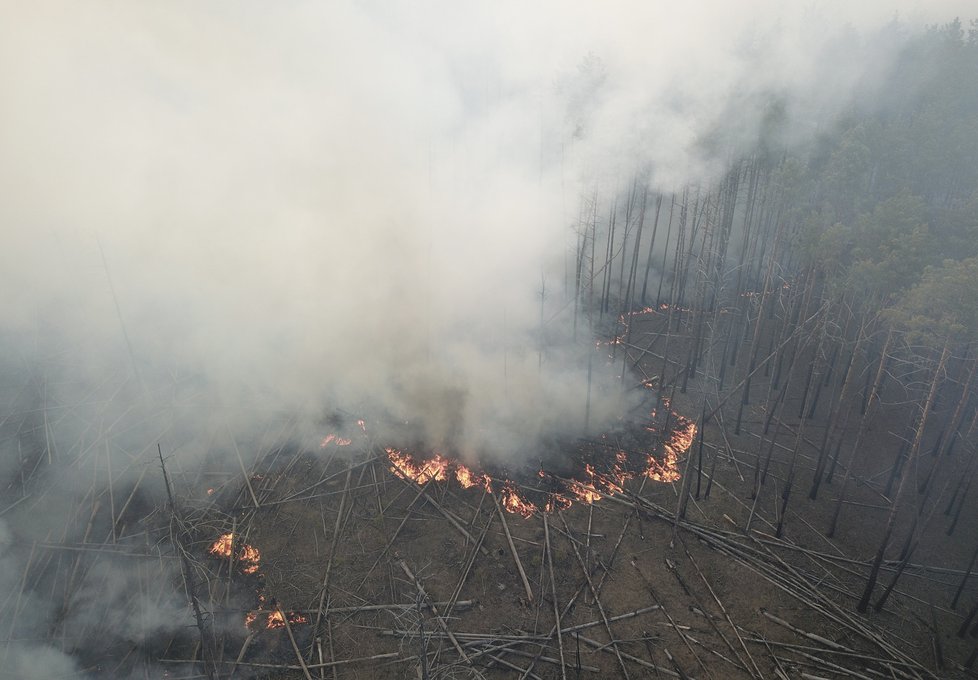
695,599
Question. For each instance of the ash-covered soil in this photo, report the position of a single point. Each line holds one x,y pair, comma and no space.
385,578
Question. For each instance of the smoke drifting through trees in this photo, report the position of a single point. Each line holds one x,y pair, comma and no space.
354,205
223,222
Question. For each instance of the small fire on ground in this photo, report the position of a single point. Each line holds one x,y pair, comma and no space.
274,618
246,556
248,559
601,469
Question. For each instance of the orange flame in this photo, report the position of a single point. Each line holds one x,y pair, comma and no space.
336,440
405,467
249,559
680,440
591,487
468,479
222,546
513,502
248,556
556,503
583,492
276,619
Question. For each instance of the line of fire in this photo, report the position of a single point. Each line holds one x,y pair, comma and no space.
581,470
488,341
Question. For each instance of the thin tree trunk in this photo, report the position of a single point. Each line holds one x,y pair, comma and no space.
648,264
871,393
833,418
964,579
895,507
755,342
665,252
190,583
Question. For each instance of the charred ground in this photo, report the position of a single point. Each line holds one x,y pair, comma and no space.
376,571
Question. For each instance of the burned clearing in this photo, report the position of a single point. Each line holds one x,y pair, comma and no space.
665,547
384,571
348,340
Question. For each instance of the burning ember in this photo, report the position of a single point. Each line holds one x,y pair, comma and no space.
335,440
598,468
274,618
625,318
223,546
277,619
248,556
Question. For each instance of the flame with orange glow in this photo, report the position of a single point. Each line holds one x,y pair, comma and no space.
513,502
335,440
589,486
248,556
277,619
223,546
248,559
680,439
625,318
468,479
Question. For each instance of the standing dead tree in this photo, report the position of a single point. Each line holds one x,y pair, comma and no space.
895,507
178,534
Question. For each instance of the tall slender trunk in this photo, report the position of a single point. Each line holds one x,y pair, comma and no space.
871,393
665,252
799,440
895,506
755,341
629,208
964,579
190,583
833,418
609,257
633,272
648,263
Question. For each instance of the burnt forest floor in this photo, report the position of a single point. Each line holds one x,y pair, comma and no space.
376,573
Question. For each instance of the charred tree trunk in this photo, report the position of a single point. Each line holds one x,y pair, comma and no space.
608,260
895,507
799,440
629,209
190,583
665,253
964,579
833,417
633,272
755,341
648,263
947,436
871,393
964,495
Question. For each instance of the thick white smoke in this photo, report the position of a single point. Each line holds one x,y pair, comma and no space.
362,202
217,212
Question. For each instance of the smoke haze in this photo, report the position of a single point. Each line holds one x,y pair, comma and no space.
362,202
219,214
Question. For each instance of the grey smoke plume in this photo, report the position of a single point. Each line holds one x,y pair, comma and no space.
357,203
218,213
